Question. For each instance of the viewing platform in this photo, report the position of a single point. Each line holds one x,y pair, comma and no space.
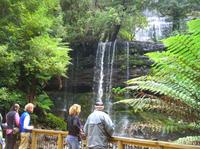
50,139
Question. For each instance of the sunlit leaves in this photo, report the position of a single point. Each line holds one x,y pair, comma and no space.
35,52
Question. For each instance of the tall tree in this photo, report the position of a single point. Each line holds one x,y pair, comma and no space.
31,40
102,19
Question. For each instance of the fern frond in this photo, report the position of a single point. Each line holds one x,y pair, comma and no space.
174,80
192,140
194,26
164,89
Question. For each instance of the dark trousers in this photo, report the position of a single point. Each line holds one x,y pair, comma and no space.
10,141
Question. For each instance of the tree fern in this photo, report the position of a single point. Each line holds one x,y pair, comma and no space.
172,87
189,140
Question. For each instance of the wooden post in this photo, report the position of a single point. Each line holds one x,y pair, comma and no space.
119,145
60,141
34,141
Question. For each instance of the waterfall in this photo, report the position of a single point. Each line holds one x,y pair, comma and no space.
110,72
98,73
127,66
103,72
157,27
127,61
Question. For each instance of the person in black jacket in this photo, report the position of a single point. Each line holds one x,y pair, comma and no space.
12,120
74,127
1,134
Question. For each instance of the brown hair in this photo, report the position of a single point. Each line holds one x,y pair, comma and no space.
15,107
75,109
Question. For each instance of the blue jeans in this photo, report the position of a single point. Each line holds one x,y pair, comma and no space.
73,142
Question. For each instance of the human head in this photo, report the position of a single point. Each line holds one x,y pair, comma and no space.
75,109
99,106
29,107
15,107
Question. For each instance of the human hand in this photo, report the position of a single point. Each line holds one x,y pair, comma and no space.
31,127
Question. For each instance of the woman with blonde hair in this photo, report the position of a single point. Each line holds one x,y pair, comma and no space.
74,127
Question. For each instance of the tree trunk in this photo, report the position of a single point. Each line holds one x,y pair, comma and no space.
176,24
115,32
60,82
32,91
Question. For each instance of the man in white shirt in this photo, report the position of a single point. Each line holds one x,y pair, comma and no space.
25,127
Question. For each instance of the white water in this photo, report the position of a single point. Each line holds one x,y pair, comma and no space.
103,75
127,61
110,72
105,59
101,51
103,71
156,29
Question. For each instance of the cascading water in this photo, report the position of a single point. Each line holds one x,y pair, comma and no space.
127,66
98,73
154,31
110,71
103,72
103,76
157,28
127,61
105,60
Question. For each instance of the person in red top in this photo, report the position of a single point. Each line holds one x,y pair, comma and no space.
12,120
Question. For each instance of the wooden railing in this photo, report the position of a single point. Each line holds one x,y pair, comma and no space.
122,143
40,135
42,138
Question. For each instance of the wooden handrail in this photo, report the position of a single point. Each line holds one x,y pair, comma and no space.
150,143
119,141
59,134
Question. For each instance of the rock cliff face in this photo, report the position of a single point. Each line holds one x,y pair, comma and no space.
81,71
79,86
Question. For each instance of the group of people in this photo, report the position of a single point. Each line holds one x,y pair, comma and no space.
98,127
18,124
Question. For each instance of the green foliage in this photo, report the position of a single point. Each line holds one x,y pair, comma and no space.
31,45
177,10
7,98
7,66
126,35
172,87
44,102
54,122
192,140
46,58
118,90
86,20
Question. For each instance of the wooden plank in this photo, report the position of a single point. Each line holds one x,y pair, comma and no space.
34,141
151,143
119,145
60,142
50,132
121,141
